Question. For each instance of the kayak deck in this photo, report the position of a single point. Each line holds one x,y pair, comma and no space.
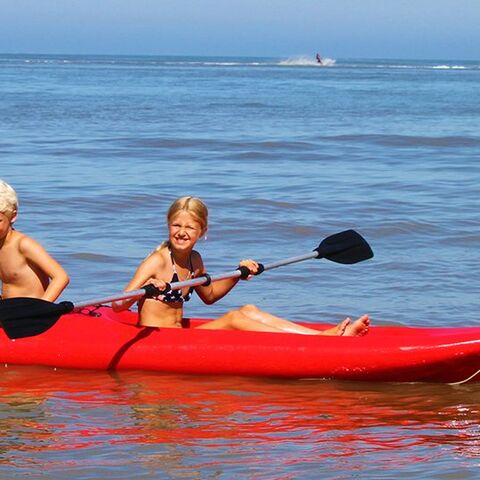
105,340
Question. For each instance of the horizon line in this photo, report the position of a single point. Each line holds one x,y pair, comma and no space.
282,56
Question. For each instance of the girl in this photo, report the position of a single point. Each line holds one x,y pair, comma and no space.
176,260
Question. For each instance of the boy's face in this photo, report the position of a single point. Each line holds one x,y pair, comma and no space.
6,222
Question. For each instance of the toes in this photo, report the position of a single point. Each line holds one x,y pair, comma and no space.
343,326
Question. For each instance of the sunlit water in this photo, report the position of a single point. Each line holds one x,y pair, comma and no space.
285,153
94,425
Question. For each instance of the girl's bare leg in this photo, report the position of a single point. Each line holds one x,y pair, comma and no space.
280,324
266,318
236,320
251,318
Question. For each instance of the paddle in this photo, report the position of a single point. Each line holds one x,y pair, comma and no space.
25,317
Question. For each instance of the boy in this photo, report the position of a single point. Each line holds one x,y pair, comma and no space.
26,269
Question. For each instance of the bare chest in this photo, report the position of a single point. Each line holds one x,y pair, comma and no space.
12,265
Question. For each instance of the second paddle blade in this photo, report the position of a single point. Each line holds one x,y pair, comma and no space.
26,317
346,247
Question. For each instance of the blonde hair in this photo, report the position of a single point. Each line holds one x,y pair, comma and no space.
192,205
8,199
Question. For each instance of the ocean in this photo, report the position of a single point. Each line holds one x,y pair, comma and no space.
285,153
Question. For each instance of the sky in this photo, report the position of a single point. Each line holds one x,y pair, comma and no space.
413,29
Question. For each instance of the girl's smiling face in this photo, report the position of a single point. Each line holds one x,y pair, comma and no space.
184,231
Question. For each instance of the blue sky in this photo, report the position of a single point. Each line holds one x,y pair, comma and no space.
424,29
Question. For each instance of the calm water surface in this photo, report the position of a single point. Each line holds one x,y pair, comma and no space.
284,153
94,425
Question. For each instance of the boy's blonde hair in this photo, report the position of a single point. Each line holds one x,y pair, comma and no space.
8,199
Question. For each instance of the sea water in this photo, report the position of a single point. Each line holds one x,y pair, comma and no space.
285,152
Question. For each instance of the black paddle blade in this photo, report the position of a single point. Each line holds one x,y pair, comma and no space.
26,317
345,247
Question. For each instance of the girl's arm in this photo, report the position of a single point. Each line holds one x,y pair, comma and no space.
216,290
35,254
150,268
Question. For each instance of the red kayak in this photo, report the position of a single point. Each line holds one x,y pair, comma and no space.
102,339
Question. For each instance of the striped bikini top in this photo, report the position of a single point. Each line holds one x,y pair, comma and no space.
176,296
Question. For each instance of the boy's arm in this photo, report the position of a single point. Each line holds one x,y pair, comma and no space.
36,254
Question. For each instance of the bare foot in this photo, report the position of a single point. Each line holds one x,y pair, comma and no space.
358,328
342,326
339,330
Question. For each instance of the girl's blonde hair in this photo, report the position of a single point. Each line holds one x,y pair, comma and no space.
192,205
8,199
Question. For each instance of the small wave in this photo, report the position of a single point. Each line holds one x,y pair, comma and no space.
93,257
408,65
428,67
462,240
307,62
395,228
219,63
173,143
448,67
266,202
161,143
411,141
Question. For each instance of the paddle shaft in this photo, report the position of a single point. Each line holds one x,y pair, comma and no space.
194,282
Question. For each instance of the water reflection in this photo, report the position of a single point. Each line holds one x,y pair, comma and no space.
140,424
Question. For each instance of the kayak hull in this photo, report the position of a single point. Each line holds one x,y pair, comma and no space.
105,340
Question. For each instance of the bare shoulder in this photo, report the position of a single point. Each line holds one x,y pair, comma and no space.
26,243
33,250
156,261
